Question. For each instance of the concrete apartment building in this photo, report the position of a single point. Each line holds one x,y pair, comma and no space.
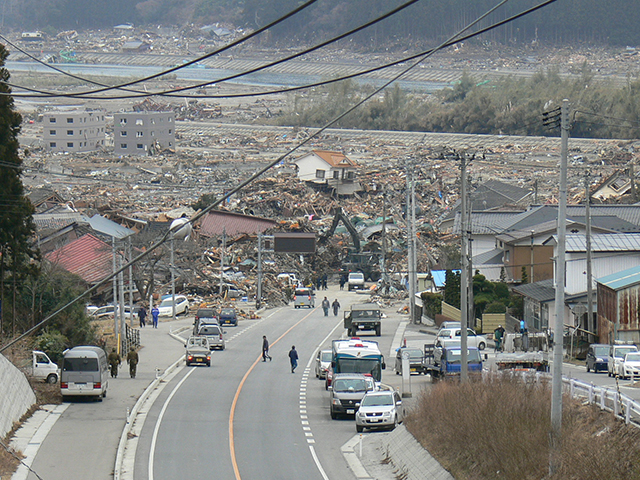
143,133
74,130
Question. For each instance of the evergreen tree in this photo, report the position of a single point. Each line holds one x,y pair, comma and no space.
16,222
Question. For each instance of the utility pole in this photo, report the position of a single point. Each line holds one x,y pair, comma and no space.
556,382
173,280
123,319
383,262
410,244
464,271
222,259
115,288
632,177
414,247
259,286
587,196
472,311
130,256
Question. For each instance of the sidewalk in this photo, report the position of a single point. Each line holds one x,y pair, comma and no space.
159,351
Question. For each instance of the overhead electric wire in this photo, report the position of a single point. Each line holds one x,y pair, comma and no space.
140,94
191,62
253,177
171,93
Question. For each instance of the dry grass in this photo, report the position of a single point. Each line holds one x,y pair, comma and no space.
500,430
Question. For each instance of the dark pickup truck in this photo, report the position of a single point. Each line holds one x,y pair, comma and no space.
361,317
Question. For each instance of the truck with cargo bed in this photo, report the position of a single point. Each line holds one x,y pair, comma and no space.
363,317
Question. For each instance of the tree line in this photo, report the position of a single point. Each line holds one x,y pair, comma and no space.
509,106
602,21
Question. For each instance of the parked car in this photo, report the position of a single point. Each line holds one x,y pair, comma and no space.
415,360
346,392
166,306
108,311
473,339
323,361
381,409
197,351
304,297
631,365
228,316
214,334
616,356
355,281
597,357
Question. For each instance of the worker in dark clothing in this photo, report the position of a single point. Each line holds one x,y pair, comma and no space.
336,307
265,349
293,358
132,360
114,362
142,315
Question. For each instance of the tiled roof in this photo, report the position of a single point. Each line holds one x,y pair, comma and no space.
492,257
335,159
58,220
87,257
215,222
485,223
620,280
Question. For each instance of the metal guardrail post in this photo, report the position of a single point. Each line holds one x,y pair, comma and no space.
616,404
572,387
590,394
627,412
602,401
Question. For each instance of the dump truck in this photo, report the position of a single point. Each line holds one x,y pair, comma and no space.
362,317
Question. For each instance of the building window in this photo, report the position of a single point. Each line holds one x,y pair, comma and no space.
170,119
69,120
69,132
123,133
153,134
69,144
506,256
123,121
336,174
52,144
319,173
52,132
140,146
52,120
169,131
351,175
139,134
139,121
123,145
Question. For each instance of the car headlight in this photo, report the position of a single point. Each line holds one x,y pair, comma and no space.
336,401
599,360
386,414
361,414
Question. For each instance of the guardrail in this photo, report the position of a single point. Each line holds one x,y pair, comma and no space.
608,399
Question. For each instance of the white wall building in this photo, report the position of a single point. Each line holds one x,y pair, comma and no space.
74,130
143,133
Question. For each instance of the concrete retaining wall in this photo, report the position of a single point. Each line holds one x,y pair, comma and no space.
411,458
16,396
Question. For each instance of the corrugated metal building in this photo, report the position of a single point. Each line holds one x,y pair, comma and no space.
618,300
215,222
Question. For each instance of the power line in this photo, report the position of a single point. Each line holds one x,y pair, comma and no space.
171,93
252,178
231,77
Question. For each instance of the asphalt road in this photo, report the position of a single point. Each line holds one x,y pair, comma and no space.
279,424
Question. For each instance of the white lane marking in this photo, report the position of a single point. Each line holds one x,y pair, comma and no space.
154,438
315,459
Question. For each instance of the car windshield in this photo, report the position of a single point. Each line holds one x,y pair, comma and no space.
632,357
365,314
601,351
444,333
359,365
350,385
209,331
377,400
167,302
303,292
325,357
228,312
453,356
206,312
621,352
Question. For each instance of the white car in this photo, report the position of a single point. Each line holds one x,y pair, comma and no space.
382,409
616,357
473,339
631,365
166,306
323,361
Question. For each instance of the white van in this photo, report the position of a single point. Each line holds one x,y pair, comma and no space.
85,372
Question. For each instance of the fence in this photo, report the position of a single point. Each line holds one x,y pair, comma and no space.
607,399
131,338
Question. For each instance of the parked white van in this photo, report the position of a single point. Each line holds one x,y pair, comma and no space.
85,372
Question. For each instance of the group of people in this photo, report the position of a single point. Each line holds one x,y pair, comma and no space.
321,282
142,316
325,306
293,354
115,361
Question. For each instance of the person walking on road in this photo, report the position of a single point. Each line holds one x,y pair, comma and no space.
155,313
336,307
132,360
142,315
325,306
498,336
265,349
293,358
114,362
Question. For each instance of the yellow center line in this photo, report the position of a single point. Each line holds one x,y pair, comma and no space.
232,447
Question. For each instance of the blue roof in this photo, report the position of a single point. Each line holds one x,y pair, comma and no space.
439,277
620,280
